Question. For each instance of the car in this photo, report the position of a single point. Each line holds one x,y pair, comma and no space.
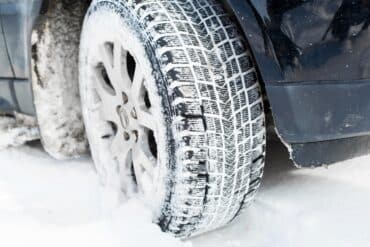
173,98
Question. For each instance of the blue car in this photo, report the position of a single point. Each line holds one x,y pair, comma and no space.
173,98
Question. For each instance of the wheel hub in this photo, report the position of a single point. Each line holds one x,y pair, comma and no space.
129,121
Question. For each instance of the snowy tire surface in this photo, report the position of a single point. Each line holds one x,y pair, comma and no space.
55,44
203,99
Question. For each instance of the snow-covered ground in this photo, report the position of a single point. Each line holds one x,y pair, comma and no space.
44,202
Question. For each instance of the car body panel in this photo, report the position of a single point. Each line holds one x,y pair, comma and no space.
313,58
307,40
7,96
314,112
17,19
8,101
5,68
15,26
315,154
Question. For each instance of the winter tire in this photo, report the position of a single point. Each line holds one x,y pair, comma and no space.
173,109
55,44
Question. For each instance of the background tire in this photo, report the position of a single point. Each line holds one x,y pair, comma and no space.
211,114
55,44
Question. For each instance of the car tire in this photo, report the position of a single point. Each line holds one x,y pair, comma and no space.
173,109
55,45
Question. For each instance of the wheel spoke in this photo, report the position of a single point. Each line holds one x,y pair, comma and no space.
109,113
113,58
118,55
125,173
122,153
122,82
106,52
108,103
146,119
146,183
104,93
119,147
128,185
137,86
143,159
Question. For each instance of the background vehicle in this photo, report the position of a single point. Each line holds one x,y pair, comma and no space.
172,92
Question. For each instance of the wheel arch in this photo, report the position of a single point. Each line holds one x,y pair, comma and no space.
252,22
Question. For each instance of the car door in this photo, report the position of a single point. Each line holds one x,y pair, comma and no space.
7,102
17,18
16,21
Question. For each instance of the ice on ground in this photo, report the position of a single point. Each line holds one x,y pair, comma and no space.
44,202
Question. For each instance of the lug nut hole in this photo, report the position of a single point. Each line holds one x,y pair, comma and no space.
133,113
124,98
126,136
135,133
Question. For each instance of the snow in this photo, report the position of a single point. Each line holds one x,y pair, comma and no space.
44,202
17,130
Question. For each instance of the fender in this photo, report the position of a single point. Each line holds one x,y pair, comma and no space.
307,40
254,27
314,61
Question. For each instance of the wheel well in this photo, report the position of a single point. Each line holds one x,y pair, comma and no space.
48,8
49,5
